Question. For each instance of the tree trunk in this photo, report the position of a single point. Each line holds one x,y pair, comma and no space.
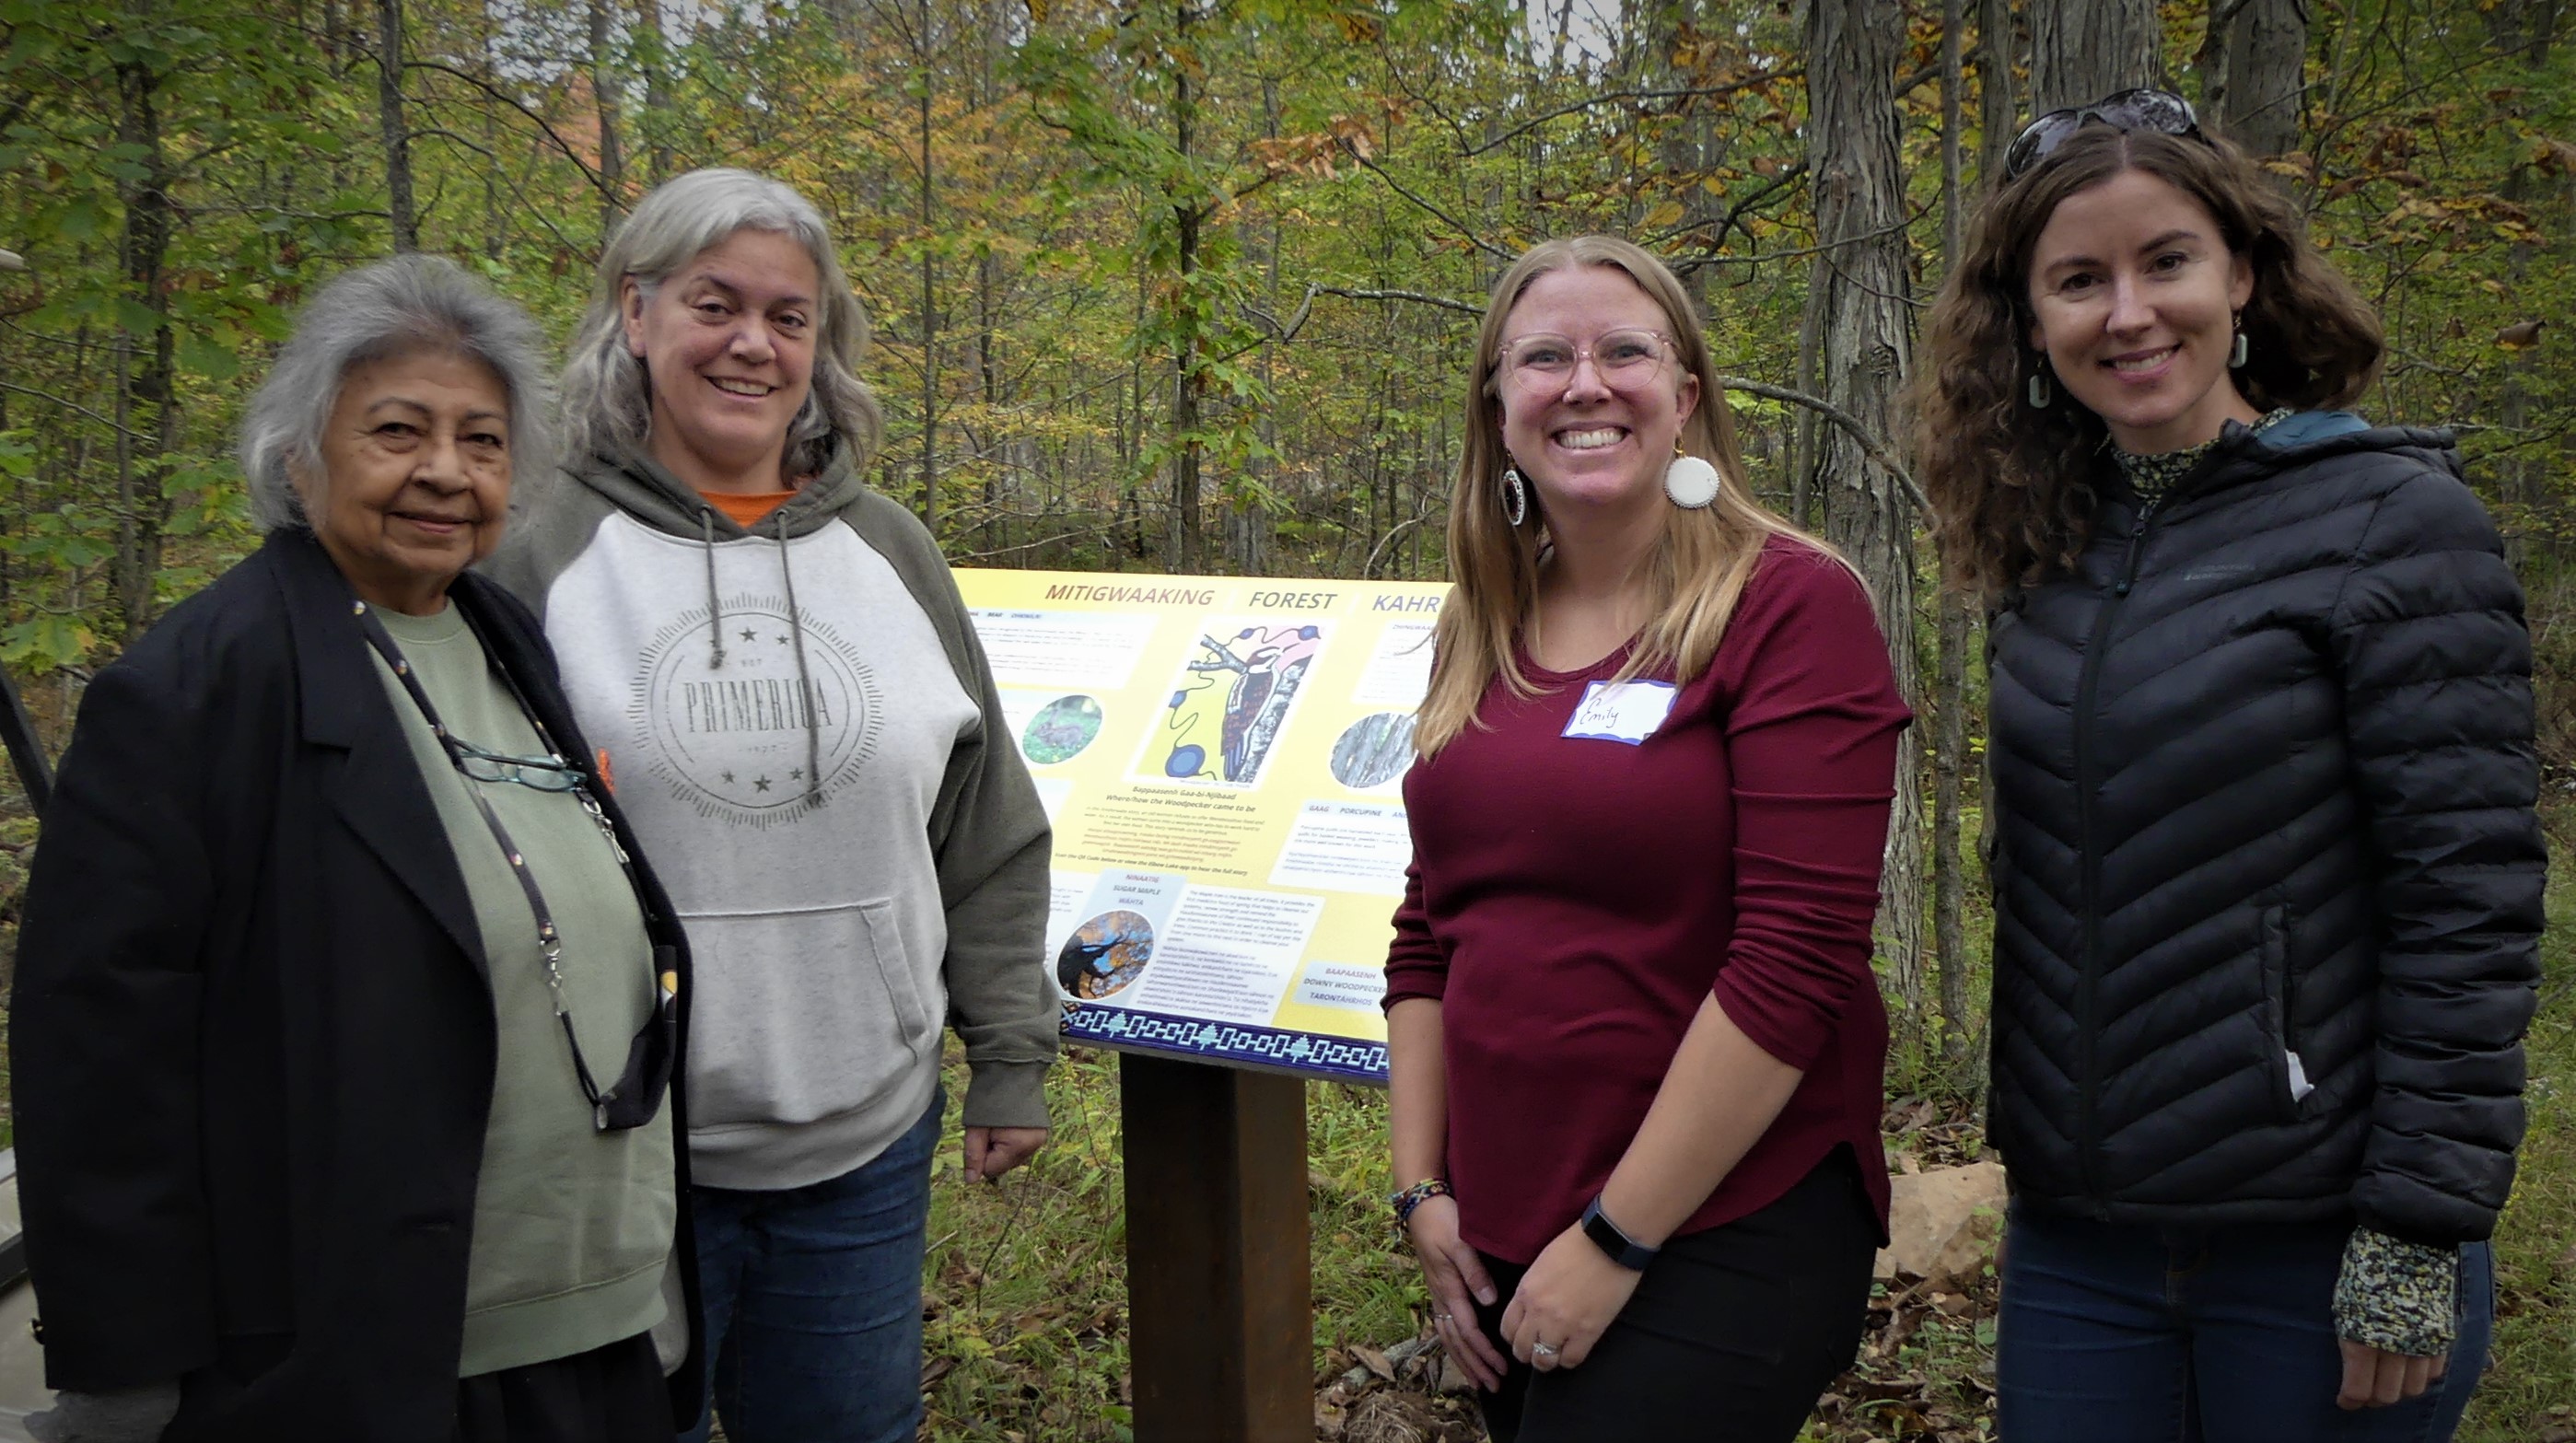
2082,50
141,506
1950,677
389,110
657,95
2254,61
495,236
929,294
1862,289
1998,119
1189,386
603,99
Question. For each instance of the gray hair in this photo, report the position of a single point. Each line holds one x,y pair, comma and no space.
608,397
389,308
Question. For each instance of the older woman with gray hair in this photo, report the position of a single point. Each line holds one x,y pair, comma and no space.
345,1007
776,661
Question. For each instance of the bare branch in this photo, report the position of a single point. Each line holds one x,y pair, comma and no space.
130,432
1869,444
539,121
1533,123
1465,231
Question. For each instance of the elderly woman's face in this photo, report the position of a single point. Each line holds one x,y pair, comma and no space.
415,482
728,340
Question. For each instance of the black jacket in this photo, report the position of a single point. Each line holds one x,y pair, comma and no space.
252,1030
2263,788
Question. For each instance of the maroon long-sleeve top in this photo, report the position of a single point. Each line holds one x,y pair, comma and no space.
1574,898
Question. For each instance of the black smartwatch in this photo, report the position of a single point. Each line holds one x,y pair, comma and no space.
1605,1235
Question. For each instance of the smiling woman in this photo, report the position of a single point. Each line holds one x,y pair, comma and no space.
861,864
1634,1044
2267,873
345,1002
414,480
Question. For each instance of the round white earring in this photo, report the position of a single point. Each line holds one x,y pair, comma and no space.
1691,482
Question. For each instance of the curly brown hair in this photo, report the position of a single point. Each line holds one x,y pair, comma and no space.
2013,487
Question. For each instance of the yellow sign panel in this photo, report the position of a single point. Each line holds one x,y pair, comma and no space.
1223,758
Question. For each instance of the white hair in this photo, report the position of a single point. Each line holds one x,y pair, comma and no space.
607,395
386,309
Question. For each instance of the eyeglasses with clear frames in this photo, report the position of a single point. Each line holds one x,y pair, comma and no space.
1624,359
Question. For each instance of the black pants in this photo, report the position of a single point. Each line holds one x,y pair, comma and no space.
611,1394
1731,1334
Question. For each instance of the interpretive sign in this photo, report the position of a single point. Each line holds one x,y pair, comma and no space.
1223,759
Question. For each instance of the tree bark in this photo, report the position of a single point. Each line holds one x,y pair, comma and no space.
2082,50
141,507
1182,541
929,292
1998,119
389,111
2254,60
1950,677
657,95
1862,290
603,99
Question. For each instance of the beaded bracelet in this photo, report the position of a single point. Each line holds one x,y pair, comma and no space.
1415,1196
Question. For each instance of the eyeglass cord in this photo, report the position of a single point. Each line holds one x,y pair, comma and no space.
549,941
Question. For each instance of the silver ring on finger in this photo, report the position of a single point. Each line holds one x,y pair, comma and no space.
1542,1350
1440,1317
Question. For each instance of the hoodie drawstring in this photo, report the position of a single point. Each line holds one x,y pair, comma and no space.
804,679
715,609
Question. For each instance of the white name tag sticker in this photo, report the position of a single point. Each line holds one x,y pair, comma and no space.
1627,711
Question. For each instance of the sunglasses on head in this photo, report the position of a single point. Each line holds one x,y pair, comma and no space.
2160,111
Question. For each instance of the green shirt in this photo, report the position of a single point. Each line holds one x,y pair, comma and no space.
572,1226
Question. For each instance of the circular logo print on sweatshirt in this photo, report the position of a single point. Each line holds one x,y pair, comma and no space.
743,739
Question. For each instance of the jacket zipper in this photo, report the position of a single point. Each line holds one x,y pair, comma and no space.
2088,1065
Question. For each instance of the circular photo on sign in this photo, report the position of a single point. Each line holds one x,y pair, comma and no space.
1374,750
1104,955
1060,730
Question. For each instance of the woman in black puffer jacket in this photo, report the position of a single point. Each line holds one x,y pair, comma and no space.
2267,874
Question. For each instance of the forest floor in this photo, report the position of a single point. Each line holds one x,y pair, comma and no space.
1026,1336
1026,1283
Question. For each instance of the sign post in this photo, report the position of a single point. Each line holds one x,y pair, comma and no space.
1222,758
1219,1322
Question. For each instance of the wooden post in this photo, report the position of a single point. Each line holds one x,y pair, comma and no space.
1220,1320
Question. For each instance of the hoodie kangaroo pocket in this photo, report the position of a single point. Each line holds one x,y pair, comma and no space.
800,1015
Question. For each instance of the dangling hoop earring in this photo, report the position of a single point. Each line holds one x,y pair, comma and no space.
1515,496
1689,482
2040,392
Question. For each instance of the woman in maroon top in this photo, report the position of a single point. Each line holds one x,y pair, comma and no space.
1636,1044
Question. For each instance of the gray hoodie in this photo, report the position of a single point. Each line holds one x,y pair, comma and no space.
804,731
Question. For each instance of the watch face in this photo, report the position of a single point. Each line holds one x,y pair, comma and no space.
1606,1235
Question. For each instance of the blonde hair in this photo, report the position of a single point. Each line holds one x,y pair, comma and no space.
1699,567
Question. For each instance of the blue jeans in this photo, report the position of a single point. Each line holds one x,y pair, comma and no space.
2114,1333
811,1302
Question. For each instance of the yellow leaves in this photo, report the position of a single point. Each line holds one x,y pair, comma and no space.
1358,27
2554,156
1313,154
1663,214
1039,10
2297,164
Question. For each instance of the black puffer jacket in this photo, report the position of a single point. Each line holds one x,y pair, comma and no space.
2267,873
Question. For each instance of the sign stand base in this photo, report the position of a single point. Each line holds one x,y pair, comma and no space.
1220,1316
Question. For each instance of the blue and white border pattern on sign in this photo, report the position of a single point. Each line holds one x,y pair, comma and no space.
1336,1058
